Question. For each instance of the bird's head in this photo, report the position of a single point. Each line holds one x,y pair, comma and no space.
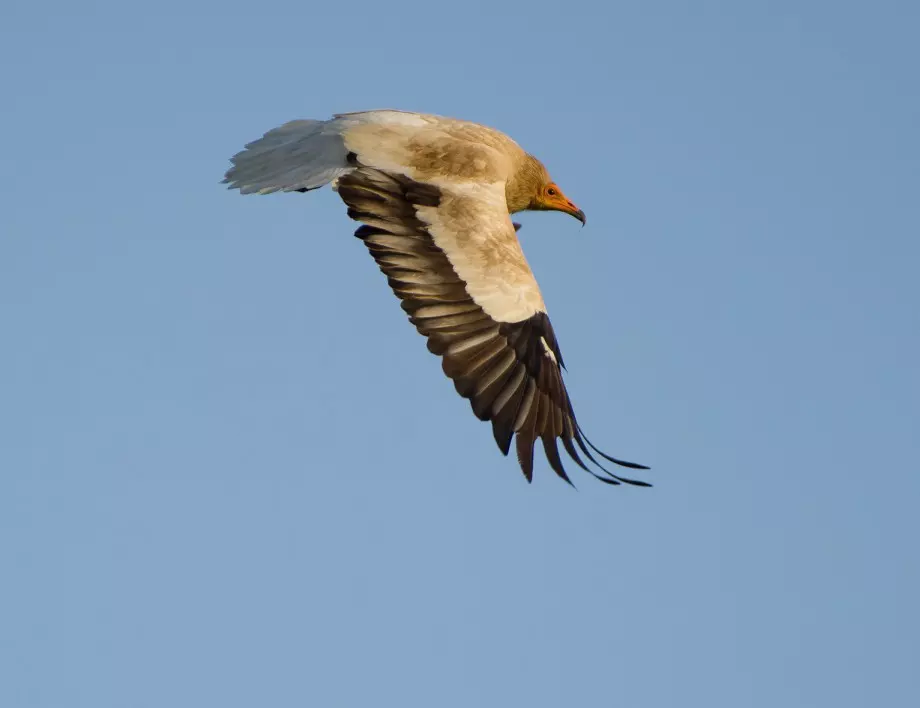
531,188
550,198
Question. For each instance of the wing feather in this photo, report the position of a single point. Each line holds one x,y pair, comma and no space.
509,369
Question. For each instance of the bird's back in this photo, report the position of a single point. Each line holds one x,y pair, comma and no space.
454,127
436,146
305,154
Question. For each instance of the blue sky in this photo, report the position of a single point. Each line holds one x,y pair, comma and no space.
231,474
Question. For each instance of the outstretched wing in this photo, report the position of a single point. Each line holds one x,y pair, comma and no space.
450,253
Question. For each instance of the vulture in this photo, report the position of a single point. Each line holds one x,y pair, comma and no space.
435,197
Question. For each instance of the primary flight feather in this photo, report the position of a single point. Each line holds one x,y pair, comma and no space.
435,197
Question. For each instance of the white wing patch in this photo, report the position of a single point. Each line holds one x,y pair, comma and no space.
547,352
473,228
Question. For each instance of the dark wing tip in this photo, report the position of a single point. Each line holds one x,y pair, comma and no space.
503,435
552,456
525,455
624,463
586,446
614,460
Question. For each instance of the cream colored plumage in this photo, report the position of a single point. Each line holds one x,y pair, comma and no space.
436,195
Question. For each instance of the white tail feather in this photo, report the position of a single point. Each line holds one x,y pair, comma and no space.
301,154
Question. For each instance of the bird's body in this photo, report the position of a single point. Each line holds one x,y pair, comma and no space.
435,195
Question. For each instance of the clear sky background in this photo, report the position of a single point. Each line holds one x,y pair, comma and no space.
232,475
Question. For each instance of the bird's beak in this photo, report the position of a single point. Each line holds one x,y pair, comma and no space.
572,210
559,202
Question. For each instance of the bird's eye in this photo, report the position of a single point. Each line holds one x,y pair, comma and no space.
551,192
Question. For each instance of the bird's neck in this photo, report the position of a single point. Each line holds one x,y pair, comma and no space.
525,184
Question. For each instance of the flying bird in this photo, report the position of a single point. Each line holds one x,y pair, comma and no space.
435,196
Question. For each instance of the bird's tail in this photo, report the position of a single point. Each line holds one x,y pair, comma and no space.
295,157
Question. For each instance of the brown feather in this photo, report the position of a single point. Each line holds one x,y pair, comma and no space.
510,371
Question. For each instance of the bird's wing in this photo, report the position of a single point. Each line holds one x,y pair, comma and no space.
305,154
450,253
